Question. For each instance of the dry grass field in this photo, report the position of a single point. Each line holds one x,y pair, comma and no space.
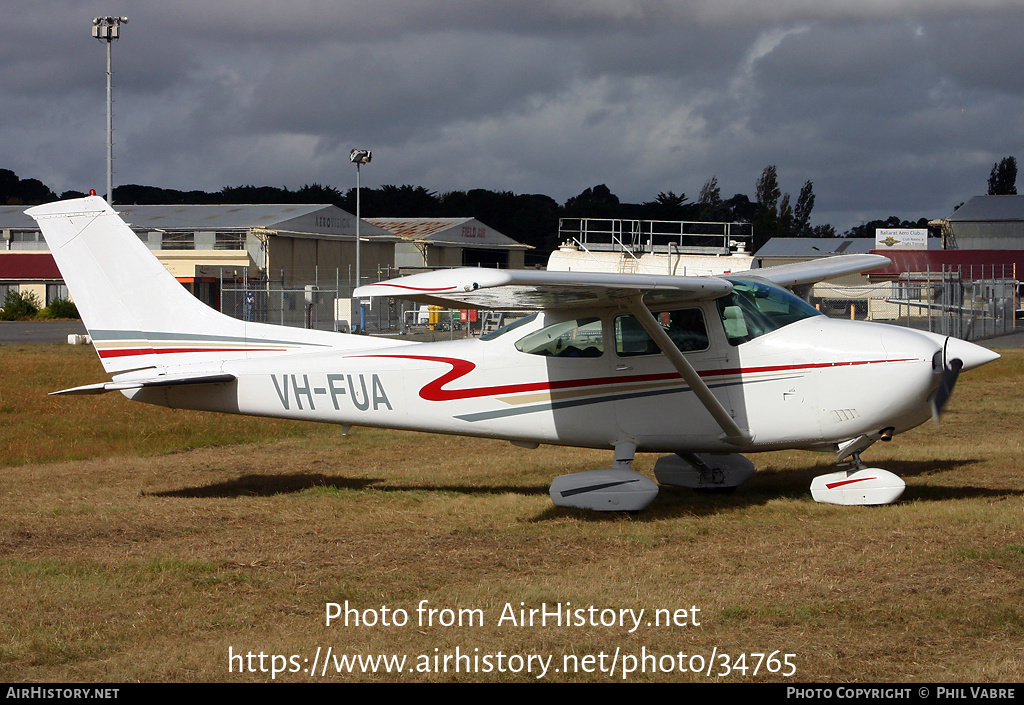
143,544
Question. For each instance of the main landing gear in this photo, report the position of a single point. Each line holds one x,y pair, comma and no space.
621,489
616,489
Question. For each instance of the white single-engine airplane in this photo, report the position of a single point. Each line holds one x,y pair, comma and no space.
701,368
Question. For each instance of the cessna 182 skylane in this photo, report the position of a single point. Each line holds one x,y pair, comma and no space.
701,368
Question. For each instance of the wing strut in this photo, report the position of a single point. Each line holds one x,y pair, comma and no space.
733,433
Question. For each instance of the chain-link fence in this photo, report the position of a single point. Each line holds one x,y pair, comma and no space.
304,300
326,303
305,306
965,302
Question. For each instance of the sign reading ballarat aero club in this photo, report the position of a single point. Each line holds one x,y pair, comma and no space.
901,239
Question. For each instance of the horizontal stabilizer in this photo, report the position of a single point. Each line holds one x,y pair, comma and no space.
163,381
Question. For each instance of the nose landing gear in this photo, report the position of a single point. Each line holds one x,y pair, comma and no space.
858,484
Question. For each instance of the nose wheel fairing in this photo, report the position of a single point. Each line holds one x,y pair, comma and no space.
867,486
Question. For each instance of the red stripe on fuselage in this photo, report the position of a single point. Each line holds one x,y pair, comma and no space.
418,288
435,391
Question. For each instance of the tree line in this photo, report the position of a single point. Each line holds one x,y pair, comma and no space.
531,219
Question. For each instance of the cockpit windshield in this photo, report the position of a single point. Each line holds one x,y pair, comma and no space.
755,308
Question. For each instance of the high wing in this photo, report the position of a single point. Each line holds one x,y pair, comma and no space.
532,290
803,274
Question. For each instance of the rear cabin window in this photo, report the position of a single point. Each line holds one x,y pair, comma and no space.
580,337
495,334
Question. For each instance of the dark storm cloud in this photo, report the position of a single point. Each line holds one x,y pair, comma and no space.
403,88
895,107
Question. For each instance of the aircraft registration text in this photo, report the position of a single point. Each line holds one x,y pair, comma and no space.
294,389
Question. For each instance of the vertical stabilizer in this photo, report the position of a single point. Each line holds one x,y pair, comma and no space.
137,313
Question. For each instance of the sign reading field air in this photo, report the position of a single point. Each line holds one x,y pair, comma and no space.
901,239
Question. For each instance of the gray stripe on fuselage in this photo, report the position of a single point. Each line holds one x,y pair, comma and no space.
206,338
569,403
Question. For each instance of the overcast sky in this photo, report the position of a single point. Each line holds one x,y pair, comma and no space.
891,107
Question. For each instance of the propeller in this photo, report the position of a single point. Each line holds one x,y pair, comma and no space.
950,372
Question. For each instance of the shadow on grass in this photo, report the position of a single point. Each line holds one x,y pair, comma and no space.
672,501
918,468
268,486
938,494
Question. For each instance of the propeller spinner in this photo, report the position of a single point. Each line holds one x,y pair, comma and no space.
956,355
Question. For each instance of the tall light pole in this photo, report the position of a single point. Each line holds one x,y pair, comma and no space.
359,157
108,29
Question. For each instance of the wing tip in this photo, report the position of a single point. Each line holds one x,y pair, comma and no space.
72,206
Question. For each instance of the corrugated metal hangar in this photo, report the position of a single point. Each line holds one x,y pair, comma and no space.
987,223
451,242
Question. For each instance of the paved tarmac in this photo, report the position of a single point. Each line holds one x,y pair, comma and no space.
21,332
1015,340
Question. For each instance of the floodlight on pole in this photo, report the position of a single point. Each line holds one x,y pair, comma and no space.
359,157
108,29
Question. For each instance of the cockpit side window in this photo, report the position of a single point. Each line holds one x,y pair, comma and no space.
754,308
581,337
685,327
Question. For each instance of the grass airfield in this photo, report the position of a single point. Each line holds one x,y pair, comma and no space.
145,544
